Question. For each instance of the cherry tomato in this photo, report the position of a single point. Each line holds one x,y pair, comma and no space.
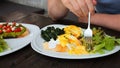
17,29
1,31
8,30
1,26
8,26
4,27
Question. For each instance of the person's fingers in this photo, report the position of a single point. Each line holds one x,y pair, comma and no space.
69,6
90,6
83,6
67,3
79,7
76,7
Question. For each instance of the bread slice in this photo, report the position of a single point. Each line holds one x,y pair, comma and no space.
24,34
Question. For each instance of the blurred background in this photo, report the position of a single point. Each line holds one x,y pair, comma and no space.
33,3
27,6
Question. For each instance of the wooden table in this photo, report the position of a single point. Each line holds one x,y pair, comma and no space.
28,58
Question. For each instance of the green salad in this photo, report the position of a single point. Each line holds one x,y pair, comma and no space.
3,45
102,41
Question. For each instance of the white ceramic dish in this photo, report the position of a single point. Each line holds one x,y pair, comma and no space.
18,43
36,44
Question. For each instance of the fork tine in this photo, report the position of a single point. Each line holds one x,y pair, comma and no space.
89,46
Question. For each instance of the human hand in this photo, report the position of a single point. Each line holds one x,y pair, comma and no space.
80,7
92,19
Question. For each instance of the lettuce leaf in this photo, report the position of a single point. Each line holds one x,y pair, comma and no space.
109,43
102,42
117,41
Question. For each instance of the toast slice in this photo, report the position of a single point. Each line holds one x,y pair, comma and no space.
13,30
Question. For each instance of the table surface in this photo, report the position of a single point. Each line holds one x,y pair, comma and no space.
28,58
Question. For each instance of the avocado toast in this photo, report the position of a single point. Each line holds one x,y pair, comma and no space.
13,30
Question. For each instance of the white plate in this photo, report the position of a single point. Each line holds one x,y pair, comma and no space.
36,44
18,43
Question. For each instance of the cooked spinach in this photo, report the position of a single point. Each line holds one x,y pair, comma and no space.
51,33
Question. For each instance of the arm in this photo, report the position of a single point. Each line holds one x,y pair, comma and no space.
56,9
107,20
111,21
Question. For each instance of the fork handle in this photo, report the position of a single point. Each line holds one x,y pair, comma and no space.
89,20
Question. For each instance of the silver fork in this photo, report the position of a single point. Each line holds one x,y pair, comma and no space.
88,35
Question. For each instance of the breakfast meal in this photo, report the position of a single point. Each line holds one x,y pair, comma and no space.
70,39
13,30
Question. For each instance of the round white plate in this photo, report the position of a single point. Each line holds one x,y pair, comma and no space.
18,43
37,43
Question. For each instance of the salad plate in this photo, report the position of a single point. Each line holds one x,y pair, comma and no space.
16,44
37,45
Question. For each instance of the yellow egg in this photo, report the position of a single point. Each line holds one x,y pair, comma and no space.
74,30
66,39
78,50
63,40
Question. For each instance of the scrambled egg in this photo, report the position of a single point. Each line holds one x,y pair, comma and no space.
73,44
70,40
73,30
66,39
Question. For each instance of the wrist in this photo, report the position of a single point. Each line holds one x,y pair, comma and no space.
95,18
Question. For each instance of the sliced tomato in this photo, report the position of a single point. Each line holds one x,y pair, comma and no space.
17,29
4,27
1,31
1,25
8,26
8,30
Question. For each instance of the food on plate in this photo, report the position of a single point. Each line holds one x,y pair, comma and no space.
13,30
51,32
3,45
75,31
70,39
102,42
